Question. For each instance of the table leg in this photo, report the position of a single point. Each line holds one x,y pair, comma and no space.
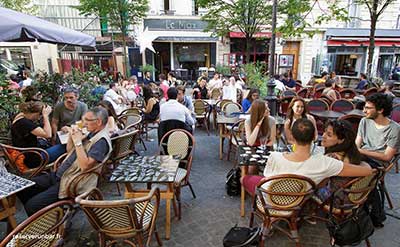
168,219
243,193
9,210
221,141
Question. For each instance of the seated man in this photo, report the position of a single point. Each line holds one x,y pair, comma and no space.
114,98
84,152
183,99
378,140
68,112
363,83
378,136
173,110
303,162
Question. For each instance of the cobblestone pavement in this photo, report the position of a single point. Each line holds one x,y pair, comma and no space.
206,219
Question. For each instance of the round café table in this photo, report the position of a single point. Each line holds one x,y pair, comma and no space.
327,114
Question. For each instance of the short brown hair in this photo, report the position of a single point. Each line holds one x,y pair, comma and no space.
181,88
303,131
31,107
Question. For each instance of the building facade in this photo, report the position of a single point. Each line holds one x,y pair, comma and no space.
180,44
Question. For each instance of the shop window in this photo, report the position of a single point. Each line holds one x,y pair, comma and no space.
18,55
191,56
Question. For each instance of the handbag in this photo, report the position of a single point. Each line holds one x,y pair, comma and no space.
232,183
356,228
242,237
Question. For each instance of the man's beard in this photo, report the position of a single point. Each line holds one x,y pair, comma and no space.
373,116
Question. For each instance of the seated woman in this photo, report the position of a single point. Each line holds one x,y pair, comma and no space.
260,128
151,108
297,109
253,95
330,90
25,131
302,162
113,123
339,142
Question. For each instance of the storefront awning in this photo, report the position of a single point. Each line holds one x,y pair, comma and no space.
360,37
360,32
361,43
256,35
185,39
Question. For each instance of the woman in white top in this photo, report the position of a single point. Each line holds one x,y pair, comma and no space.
229,89
302,162
297,109
260,128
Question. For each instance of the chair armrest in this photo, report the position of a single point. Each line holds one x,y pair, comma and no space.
41,153
72,187
59,161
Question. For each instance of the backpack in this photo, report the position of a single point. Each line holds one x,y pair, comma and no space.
233,182
242,237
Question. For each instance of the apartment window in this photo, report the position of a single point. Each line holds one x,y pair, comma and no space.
354,14
195,7
166,5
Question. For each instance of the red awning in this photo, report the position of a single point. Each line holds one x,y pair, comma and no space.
363,42
256,35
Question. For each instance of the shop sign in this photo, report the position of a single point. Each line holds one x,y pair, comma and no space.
174,24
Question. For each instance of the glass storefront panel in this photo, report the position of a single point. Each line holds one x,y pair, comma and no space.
18,55
191,55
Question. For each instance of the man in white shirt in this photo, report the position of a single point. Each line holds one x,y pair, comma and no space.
114,98
215,82
279,85
173,110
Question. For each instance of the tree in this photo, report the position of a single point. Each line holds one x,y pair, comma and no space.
246,16
375,9
24,6
252,16
118,13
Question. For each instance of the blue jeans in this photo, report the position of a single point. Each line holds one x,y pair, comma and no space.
56,151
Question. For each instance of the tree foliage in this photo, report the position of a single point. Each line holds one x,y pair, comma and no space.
24,6
118,13
375,8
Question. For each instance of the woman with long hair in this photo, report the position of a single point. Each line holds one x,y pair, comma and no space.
251,96
113,124
339,143
151,108
260,128
297,109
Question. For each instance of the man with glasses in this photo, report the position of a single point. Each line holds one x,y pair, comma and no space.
84,152
67,112
378,140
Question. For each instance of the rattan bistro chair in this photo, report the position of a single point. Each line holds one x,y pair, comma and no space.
47,225
349,197
201,109
282,201
122,146
181,143
15,156
132,221
235,140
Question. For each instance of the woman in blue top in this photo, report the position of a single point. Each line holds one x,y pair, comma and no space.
253,95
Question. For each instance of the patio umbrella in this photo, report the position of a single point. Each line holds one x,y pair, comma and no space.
16,26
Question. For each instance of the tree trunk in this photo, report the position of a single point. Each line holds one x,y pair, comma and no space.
271,61
248,40
125,60
371,48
